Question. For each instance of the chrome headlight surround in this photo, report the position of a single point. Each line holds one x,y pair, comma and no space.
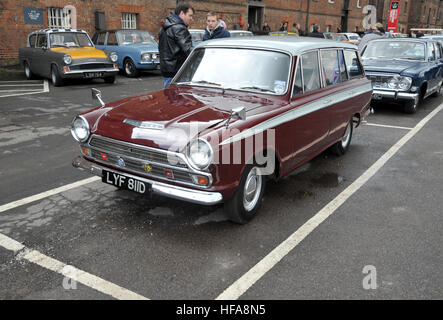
146,56
400,83
67,59
199,153
113,56
80,129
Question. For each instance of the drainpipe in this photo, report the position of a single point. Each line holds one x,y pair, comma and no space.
307,17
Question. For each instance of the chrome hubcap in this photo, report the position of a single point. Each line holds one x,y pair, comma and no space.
251,191
128,68
345,140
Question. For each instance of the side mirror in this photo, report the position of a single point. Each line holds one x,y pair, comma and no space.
97,95
239,112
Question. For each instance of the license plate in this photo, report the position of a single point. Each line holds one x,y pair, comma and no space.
125,182
93,74
377,96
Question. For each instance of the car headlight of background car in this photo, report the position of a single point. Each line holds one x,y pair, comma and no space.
80,129
400,83
199,153
67,59
149,56
113,56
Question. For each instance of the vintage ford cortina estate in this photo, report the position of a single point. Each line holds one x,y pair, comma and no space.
60,54
239,111
404,70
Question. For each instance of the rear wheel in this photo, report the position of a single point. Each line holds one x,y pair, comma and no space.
28,73
245,203
56,79
129,69
341,146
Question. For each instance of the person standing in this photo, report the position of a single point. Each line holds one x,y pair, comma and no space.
294,29
377,34
175,42
266,27
214,28
315,33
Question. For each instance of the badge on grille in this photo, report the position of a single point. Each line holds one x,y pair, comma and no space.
147,167
121,162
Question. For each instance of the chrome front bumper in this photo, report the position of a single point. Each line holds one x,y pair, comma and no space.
393,95
164,189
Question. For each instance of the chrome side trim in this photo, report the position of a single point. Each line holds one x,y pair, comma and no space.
299,112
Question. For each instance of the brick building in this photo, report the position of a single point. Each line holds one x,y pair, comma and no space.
19,17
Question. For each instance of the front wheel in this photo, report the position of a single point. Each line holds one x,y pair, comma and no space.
129,69
56,79
110,79
340,147
411,106
245,203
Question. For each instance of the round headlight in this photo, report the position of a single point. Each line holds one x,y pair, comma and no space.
405,83
146,56
113,56
80,129
392,83
67,59
154,56
199,154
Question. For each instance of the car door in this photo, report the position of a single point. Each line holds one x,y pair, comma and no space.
40,62
309,109
112,46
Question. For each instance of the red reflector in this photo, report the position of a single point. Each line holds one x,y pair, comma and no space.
104,156
202,180
169,174
66,69
85,151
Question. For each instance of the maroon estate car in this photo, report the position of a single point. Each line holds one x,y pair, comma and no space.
239,111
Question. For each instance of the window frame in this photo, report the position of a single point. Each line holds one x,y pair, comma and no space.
129,24
363,74
56,14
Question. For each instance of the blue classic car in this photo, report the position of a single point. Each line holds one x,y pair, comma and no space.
404,70
137,49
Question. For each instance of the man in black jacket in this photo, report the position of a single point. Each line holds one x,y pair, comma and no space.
175,42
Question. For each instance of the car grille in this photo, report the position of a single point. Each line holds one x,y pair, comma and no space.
91,66
379,81
137,158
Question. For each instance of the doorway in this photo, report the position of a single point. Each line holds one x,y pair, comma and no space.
255,18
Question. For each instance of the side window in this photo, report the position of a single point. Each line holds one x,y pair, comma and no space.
437,50
112,40
353,66
101,39
431,51
331,70
341,63
311,74
32,41
41,41
298,87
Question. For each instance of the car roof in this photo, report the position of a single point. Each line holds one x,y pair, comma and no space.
421,39
293,45
54,30
115,30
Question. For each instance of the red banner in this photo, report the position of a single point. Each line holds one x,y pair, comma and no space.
394,12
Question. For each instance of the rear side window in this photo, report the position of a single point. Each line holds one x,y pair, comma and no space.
437,50
100,40
32,41
353,66
112,39
431,51
331,69
311,74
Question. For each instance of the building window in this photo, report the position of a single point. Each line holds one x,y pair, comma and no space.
405,8
129,21
59,18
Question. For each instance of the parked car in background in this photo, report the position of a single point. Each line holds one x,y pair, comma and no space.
353,38
240,33
60,54
435,37
282,34
224,125
404,70
137,49
197,36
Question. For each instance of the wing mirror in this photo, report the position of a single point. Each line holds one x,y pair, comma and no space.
97,95
239,113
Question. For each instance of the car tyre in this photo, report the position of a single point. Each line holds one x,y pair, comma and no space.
110,79
410,107
56,79
28,73
129,69
245,203
341,146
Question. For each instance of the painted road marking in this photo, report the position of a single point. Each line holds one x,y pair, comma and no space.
19,84
94,282
46,194
387,126
245,282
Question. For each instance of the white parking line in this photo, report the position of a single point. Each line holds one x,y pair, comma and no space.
387,126
245,282
94,282
8,93
46,194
